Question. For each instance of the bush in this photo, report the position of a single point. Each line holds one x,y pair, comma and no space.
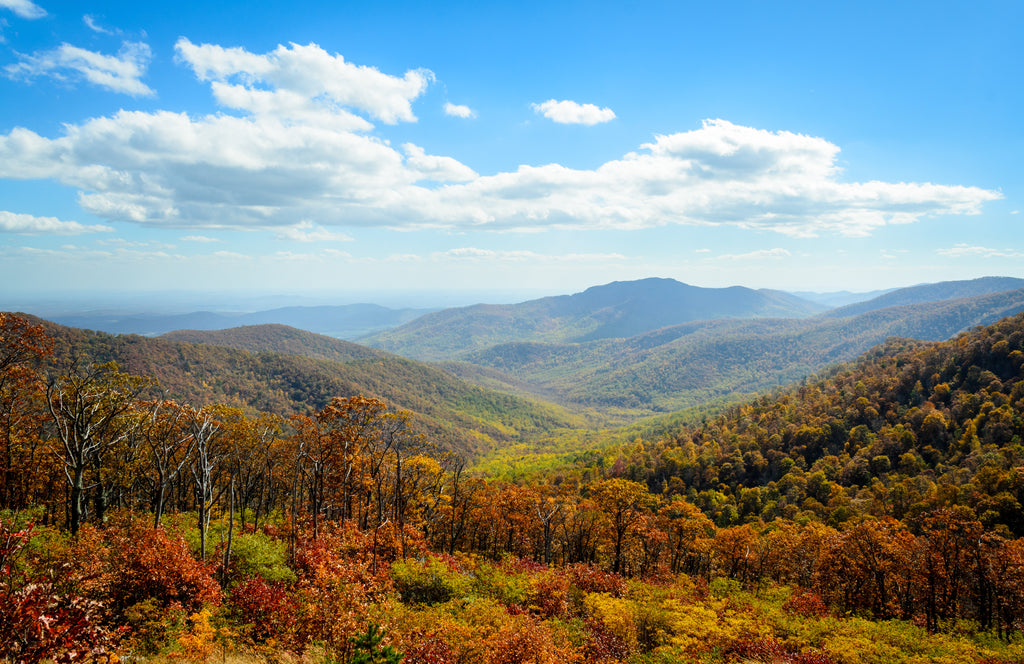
266,609
256,554
428,581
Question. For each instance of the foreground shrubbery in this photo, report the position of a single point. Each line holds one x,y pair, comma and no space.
135,590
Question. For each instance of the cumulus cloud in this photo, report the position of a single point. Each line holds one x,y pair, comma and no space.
27,224
963,249
570,112
24,8
308,232
458,110
199,238
119,73
305,78
438,169
292,144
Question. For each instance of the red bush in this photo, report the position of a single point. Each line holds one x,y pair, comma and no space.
266,608
37,620
146,563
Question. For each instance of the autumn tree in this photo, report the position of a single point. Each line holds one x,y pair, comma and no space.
22,411
622,502
92,411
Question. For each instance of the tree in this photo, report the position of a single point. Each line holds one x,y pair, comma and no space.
91,408
22,410
169,441
622,502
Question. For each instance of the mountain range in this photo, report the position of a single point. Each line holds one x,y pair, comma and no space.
617,310
347,321
499,373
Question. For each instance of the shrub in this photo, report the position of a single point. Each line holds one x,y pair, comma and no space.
266,609
256,554
37,620
428,581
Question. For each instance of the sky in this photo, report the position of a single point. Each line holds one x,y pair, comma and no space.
347,148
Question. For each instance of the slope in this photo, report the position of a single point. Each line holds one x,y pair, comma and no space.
617,310
456,414
911,428
279,339
944,290
700,362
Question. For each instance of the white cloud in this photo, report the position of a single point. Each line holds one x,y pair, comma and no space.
233,255
756,255
119,73
964,249
458,110
438,169
306,74
306,231
199,238
289,147
94,25
27,224
570,112
24,8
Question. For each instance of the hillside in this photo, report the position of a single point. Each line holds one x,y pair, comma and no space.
454,413
945,290
912,427
279,339
616,310
696,363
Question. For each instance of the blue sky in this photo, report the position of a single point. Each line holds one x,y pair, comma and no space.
530,146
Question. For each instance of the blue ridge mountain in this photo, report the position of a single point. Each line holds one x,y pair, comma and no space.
617,310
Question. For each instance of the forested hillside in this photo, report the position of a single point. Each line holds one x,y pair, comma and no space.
945,290
458,415
696,363
279,339
869,516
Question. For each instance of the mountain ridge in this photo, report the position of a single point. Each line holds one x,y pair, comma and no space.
618,309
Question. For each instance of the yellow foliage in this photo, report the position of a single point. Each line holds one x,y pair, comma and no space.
616,614
199,643
701,626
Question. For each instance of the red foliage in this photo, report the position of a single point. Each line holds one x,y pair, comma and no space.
427,648
145,563
806,603
593,579
37,621
266,607
604,645
549,595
